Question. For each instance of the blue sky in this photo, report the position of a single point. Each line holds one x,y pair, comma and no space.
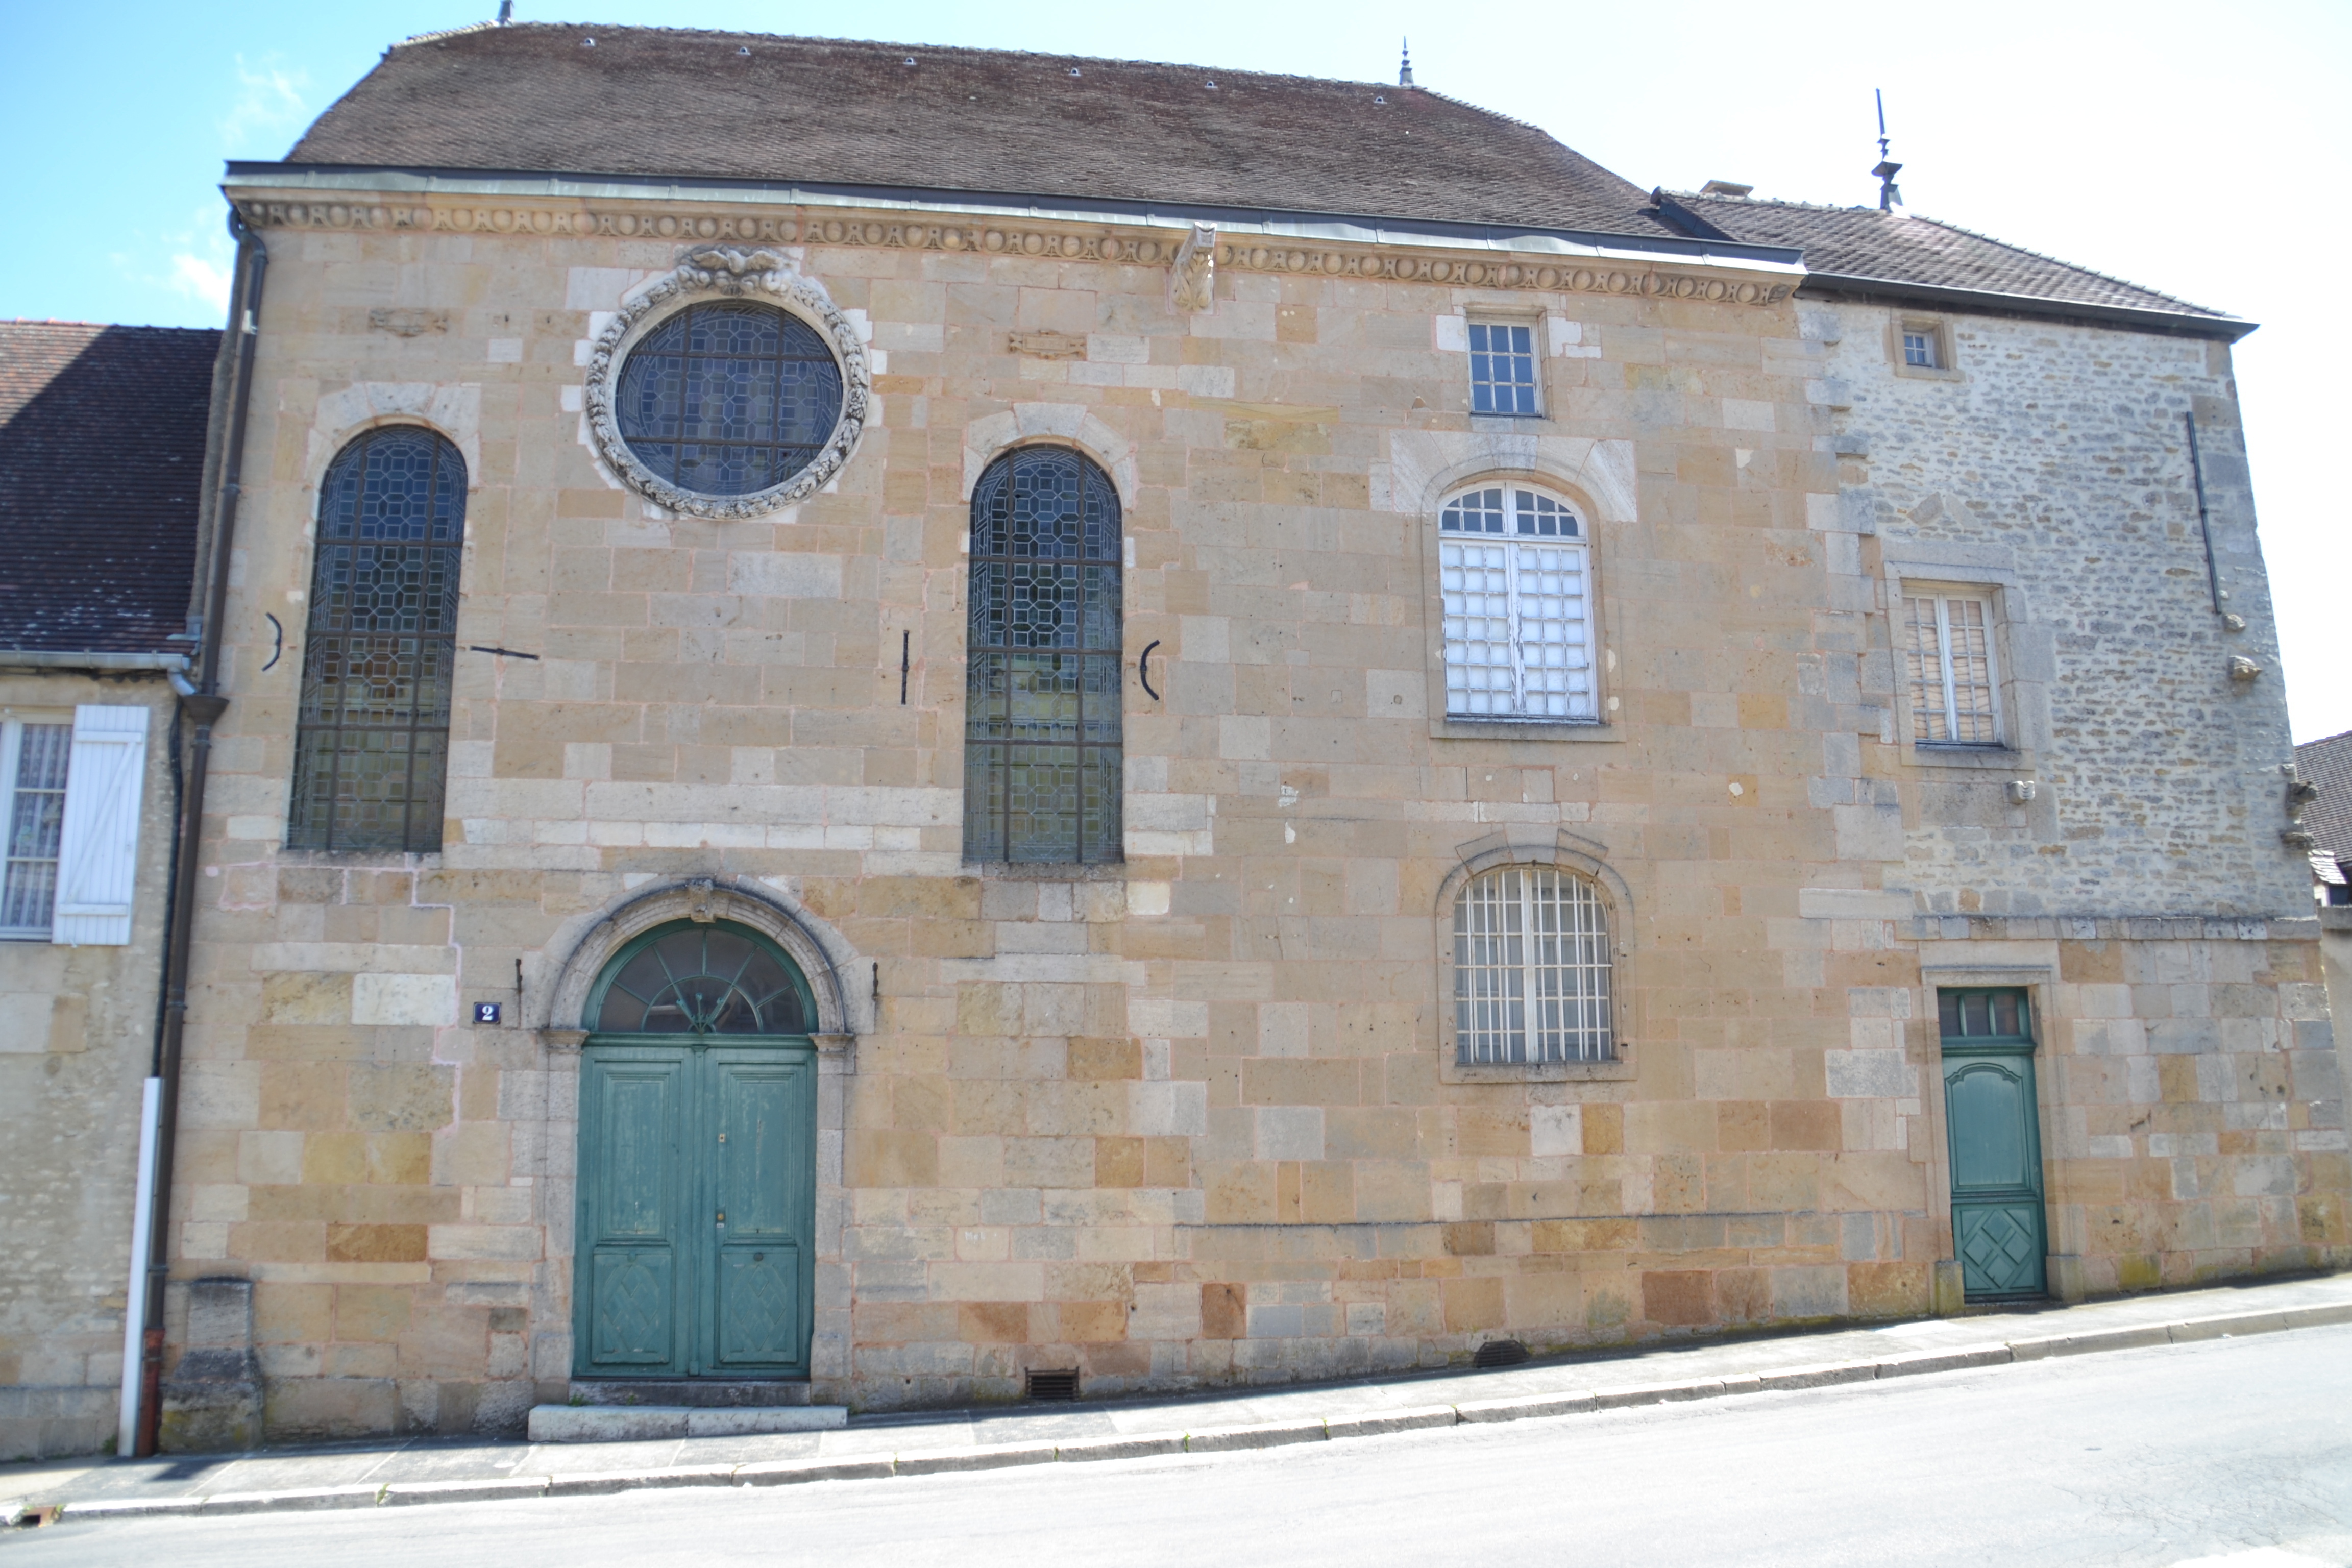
2190,147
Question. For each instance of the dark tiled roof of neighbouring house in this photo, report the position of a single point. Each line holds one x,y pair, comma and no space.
2328,764
748,106
102,460
1863,242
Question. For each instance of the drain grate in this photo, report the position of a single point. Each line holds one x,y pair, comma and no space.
1499,1353
1058,1385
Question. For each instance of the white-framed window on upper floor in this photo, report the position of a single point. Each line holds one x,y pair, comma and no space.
1947,646
34,756
70,789
1515,568
1921,348
1505,368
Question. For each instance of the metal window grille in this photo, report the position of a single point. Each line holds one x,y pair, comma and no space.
1513,573
1948,659
371,748
1502,369
33,762
1531,968
1045,686
728,399
1919,349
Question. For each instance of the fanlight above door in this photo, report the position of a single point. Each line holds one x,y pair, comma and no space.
699,980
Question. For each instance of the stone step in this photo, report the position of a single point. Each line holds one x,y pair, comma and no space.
640,1423
683,1391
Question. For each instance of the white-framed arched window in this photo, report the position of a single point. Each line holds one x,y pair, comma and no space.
1515,568
1532,970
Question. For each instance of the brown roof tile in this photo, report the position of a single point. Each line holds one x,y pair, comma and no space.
747,106
1863,242
101,458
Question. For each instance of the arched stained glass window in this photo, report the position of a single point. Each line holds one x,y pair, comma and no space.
702,980
1043,739
372,742
728,399
1531,968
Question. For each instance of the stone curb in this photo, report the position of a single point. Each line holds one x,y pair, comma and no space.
1217,1439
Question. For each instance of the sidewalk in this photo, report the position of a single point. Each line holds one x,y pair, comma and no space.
370,1475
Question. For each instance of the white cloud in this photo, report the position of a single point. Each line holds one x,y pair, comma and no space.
200,278
269,102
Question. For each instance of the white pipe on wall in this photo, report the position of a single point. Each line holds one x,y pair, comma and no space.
151,1106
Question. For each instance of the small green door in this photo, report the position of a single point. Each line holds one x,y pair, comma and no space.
1993,1128
697,1180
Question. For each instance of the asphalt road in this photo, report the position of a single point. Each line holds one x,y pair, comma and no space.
2233,1451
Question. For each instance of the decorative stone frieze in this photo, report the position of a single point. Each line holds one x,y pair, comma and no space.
733,274
1201,254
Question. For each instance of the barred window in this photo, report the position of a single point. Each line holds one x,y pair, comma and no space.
371,751
1502,369
1947,660
1044,684
728,399
1531,968
1513,569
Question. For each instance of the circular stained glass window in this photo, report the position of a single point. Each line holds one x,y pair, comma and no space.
729,398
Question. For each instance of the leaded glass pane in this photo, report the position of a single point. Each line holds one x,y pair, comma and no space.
703,980
371,748
1531,968
729,398
1045,678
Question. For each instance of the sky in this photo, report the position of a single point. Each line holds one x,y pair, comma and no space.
2188,148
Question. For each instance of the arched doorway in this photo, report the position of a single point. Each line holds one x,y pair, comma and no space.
698,1172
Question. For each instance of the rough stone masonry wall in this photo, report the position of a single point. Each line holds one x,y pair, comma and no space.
2192,1109
77,1036
1188,1121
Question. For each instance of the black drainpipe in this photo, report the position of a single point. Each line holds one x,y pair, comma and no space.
205,706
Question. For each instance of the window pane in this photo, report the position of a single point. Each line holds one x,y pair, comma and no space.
1923,668
1489,970
1480,512
36,825
1554,634
1919,349
1568,971
728,399
1971,656
1474,580
1045,673
378,664
1502,369
706,981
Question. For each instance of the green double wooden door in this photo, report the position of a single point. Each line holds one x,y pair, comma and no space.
696,1184
1993,1124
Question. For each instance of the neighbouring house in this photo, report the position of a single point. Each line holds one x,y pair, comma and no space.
2324,774
102,448
949,717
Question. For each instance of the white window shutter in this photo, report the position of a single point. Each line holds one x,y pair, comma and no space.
97,857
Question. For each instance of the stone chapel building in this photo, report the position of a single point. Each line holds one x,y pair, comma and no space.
901,717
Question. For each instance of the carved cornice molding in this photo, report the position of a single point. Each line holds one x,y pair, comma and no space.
731,273
1622,276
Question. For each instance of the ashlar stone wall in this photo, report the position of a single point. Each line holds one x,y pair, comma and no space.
1184,1121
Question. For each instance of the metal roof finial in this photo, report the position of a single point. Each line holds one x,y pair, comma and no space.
1404,71
506,11
1890,194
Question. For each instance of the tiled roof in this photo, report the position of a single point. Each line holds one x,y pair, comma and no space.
102,458
2328,764
748,106
1863,242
